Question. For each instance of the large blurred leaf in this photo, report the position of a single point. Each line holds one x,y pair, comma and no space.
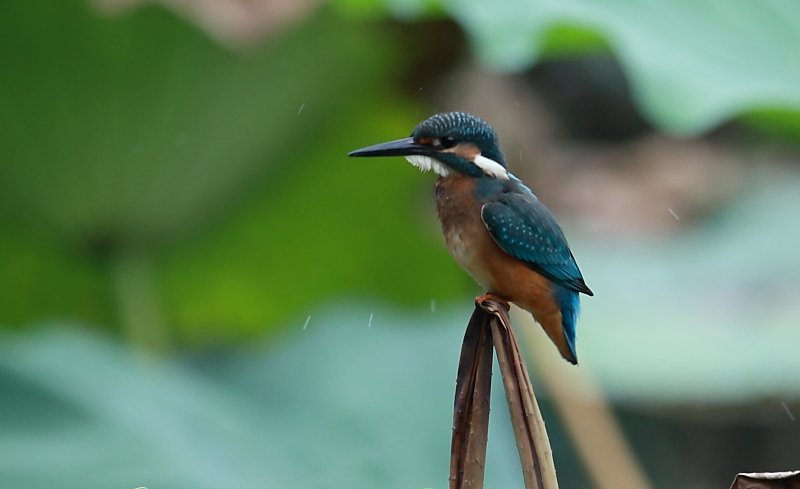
137,127
360,398
692,63
120,130
345,404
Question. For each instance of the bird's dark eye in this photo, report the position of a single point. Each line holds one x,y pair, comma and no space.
448,141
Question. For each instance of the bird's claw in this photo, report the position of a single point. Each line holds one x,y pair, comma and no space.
481,299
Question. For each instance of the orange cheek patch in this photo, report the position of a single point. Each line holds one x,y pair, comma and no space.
426,141
468,151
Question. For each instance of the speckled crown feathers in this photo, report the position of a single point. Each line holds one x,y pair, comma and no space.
463,127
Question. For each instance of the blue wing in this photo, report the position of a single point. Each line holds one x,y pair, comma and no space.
524,228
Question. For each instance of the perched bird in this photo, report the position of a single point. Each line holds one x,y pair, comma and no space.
493,225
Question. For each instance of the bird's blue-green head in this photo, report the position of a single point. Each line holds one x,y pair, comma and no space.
447,142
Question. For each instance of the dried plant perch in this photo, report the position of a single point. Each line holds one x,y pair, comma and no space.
490,327
768,480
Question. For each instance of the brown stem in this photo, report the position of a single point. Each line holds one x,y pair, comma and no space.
471,410
533,445
489,327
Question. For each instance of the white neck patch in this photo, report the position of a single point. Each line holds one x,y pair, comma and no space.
426,163
491,168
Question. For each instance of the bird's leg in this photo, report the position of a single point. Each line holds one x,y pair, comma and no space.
492,297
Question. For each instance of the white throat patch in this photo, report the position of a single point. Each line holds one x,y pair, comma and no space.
426,163
491,168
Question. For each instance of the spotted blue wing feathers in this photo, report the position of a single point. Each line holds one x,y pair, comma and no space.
524,228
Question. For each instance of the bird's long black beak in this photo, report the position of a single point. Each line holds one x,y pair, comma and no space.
401,147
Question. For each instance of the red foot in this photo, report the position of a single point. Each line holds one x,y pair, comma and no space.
491,297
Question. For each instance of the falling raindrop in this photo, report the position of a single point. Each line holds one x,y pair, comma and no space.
788,411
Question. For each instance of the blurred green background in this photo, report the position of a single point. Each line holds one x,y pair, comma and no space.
199,289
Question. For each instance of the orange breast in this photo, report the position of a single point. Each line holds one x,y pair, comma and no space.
474,249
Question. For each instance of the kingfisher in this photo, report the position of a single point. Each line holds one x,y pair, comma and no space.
494,226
